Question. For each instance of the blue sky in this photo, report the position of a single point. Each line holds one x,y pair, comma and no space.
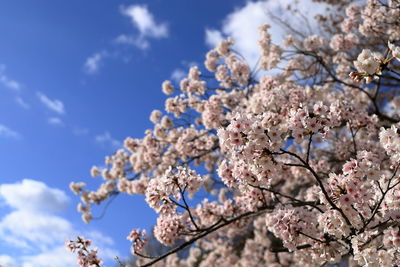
76,78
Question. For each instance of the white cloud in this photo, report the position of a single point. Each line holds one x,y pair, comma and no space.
55,121
143,20
37,231
33,195
243,24
94,62
178,74
7,82
54,105
145,23
7,261
8,133
57,257
32,225
107,140
34,229
213,37
22,102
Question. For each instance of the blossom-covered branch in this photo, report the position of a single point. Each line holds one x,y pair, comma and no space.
294,163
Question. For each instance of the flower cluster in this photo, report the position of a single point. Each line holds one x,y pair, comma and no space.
86,257
172,184
168,228
394,50
390,141
138,239
291,225
366,253
368,62
270,54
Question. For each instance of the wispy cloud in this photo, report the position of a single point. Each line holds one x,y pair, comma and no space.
243,24
94,62
147,28
127,39
143,20
80,131
178,74
106,140
14,87
55,121
22,102
35,227
6,81
8,133
54,105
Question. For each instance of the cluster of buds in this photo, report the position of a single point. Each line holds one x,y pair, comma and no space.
356,76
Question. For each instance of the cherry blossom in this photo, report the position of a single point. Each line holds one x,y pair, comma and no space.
292,163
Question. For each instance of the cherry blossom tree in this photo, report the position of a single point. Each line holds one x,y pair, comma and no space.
297,162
